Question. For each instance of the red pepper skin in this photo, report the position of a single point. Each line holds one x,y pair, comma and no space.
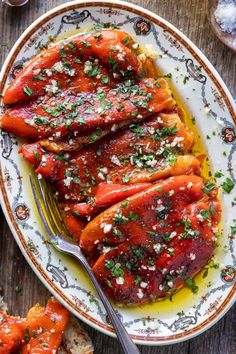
11,333
45,327
72,223
107,194
40,332
32,153
21,120
115,149
142,204
154,251
80,47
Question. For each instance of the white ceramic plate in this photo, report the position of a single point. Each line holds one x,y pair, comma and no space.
207,99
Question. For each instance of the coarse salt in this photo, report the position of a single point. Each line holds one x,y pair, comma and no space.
225,15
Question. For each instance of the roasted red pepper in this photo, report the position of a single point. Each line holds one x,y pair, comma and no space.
12,331
143,153
82,62
157,240
40,332
107,194
69,112
45,327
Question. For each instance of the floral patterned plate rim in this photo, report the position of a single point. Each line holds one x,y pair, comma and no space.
207,98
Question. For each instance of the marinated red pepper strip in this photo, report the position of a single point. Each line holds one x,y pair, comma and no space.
145,268
11,333
143,153
158,205
165,238
69,112
69,63
107,194
74,224
45,327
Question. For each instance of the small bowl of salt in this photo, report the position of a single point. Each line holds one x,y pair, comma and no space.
222,16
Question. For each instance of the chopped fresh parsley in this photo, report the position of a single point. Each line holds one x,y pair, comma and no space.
126,178
133,216
206,214
228,185
192,285
209,186
219,174
28,91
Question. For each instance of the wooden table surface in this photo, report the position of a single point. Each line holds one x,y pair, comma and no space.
190,17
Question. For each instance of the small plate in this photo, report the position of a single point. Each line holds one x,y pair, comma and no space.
207,99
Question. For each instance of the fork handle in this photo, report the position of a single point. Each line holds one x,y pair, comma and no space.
127,344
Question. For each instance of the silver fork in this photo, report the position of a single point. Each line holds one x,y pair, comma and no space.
50,215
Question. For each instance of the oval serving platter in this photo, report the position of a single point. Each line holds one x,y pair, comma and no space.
207,99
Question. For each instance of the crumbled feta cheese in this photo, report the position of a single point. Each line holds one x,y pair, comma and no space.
170,284
171,192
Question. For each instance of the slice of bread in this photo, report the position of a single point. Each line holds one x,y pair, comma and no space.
75,339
